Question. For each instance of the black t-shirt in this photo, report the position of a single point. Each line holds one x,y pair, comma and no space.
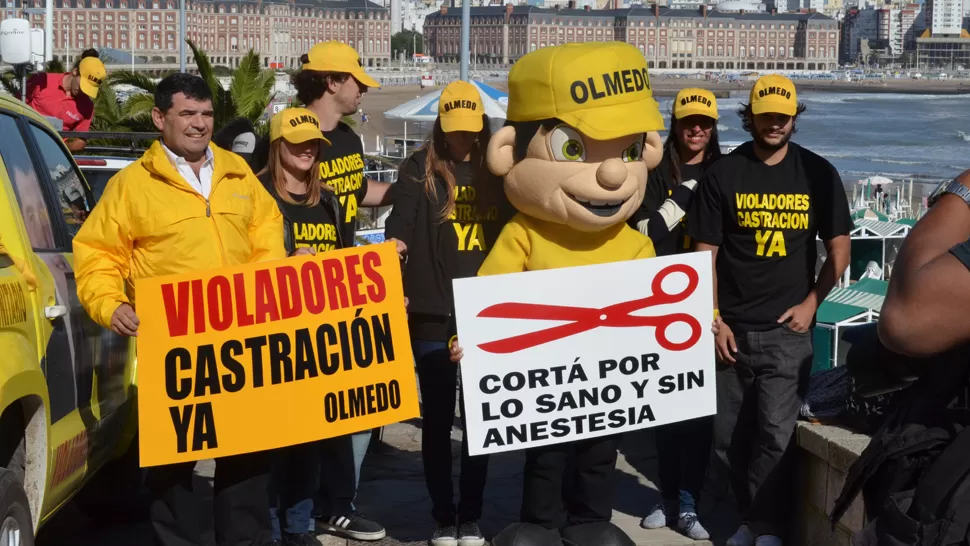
342,167
476,220
765,220
311,226
660,184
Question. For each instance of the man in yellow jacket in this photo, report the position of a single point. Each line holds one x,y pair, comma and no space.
184,206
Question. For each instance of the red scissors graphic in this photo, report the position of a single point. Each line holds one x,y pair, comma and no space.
613,316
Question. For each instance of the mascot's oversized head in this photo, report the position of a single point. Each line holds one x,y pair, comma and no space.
581,134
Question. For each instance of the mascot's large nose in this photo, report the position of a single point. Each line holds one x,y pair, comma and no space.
611,173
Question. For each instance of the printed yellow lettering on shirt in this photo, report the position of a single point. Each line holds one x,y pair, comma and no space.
346,176
771,215
321,237
613,83
323,336
467,220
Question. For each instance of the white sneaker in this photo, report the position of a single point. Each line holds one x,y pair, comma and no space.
656,519
768,540
743,537
687,523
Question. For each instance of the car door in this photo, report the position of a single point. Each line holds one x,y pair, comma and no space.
84,364
102,374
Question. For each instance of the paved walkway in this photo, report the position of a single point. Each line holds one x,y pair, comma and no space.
393,492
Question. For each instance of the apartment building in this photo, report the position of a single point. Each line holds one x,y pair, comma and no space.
669,38
279,30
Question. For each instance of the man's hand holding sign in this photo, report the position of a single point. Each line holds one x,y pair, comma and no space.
224,354
610,365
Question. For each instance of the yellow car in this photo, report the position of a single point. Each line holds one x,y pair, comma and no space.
66,384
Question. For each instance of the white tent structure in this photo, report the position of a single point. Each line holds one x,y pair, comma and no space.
424,109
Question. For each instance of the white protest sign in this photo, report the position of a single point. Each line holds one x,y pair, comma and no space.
565,354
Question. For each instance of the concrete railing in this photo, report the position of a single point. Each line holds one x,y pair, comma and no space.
824,456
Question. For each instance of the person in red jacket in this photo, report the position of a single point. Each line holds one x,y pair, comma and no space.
69,97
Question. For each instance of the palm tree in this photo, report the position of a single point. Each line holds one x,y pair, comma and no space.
114,117
249,94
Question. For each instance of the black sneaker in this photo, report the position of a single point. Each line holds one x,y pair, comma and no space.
305,539
355,526
444,535
470,535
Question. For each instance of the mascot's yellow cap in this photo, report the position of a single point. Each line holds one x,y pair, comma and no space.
600,88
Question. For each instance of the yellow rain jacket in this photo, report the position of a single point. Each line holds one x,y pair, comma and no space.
151,222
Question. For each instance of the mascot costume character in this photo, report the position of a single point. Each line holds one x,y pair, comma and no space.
580,138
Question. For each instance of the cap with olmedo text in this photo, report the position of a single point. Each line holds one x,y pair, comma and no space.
296,125
694,101
774,94
460,108
599,88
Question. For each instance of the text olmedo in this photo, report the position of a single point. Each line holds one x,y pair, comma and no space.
320,337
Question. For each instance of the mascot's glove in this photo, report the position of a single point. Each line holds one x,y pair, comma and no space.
664,219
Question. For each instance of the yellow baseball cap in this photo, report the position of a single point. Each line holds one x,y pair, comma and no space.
92,73
460,108
774,94
694,101
599,88
338,57
296,125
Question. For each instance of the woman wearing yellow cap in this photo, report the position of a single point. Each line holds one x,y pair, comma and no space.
448,210
682,448
310,212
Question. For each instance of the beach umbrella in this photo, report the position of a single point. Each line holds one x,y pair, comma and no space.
425,108
876,180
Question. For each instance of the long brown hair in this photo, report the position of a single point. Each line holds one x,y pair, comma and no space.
439,162
274,166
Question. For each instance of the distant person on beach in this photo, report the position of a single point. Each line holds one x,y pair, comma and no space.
448,210
683,448
69,97
331,84
758,211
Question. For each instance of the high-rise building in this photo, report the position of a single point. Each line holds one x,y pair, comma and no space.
858,25
396,19
944,18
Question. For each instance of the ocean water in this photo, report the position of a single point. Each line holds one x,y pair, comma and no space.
894,135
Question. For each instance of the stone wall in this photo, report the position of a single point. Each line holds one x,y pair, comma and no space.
824,456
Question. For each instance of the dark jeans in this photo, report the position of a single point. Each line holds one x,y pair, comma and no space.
337,483
438,378
294,477
588,497
241,512
683,450
758,401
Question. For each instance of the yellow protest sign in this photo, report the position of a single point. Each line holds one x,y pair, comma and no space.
272,354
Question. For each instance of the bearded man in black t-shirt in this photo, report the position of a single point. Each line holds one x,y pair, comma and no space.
758,211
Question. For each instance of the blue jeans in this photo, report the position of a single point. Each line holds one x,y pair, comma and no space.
683,450
293,476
